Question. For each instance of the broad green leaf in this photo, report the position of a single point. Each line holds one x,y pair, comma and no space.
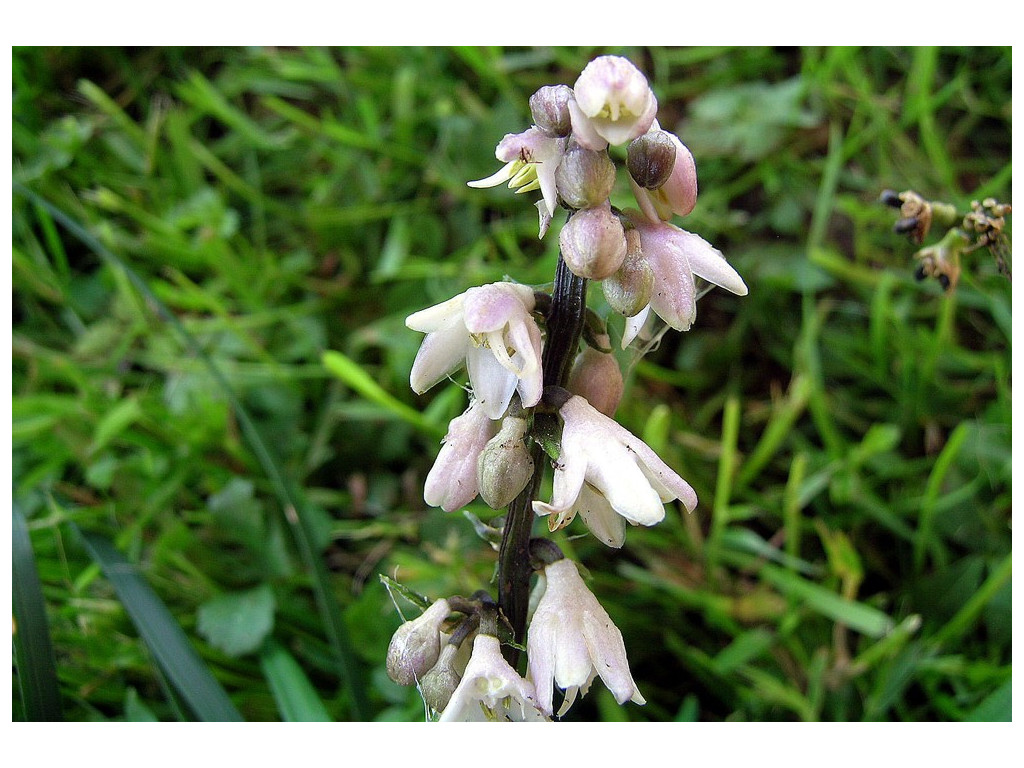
996,708
238,622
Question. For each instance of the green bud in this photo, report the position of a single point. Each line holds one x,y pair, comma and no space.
505,466
440,682
629,289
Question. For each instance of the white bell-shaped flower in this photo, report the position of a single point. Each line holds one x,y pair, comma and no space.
490,690
599,453
452,481
491,330
572,640
613,103
675,256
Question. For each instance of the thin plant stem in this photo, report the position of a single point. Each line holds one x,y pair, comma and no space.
565,320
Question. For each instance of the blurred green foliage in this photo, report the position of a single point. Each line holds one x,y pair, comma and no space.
216,382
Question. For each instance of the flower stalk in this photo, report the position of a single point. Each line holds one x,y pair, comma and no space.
565,320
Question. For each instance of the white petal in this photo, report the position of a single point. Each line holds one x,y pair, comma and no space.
708,262
492,384
441,353
609,653
673,298
625,487
506,173
540,651
634,325
452,481
438,316
600,518
643,199
583,130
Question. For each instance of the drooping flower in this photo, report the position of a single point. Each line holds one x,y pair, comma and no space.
572,640
598,452
491,331
490,690
613,103
452,482
531,159
675,256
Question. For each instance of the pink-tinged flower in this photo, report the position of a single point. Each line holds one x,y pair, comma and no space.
452,482
491,330
416,644
491,690
675,257
612,100
572,640
598,454
531,159
678,194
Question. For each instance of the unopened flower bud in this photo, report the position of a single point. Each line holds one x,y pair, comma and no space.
505,465
650,159
550,109
440,682
660,198
415,646
584,178
593,243
629,289
596,377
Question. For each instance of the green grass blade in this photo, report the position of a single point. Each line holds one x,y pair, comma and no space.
857,616
928,505
163,635
349,372
296,697
33,651
292,502
972,609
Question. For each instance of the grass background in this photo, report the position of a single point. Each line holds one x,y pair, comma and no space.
216,452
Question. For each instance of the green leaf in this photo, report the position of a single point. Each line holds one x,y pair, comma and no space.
296,698
238,622
33,651
162,635
996,708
